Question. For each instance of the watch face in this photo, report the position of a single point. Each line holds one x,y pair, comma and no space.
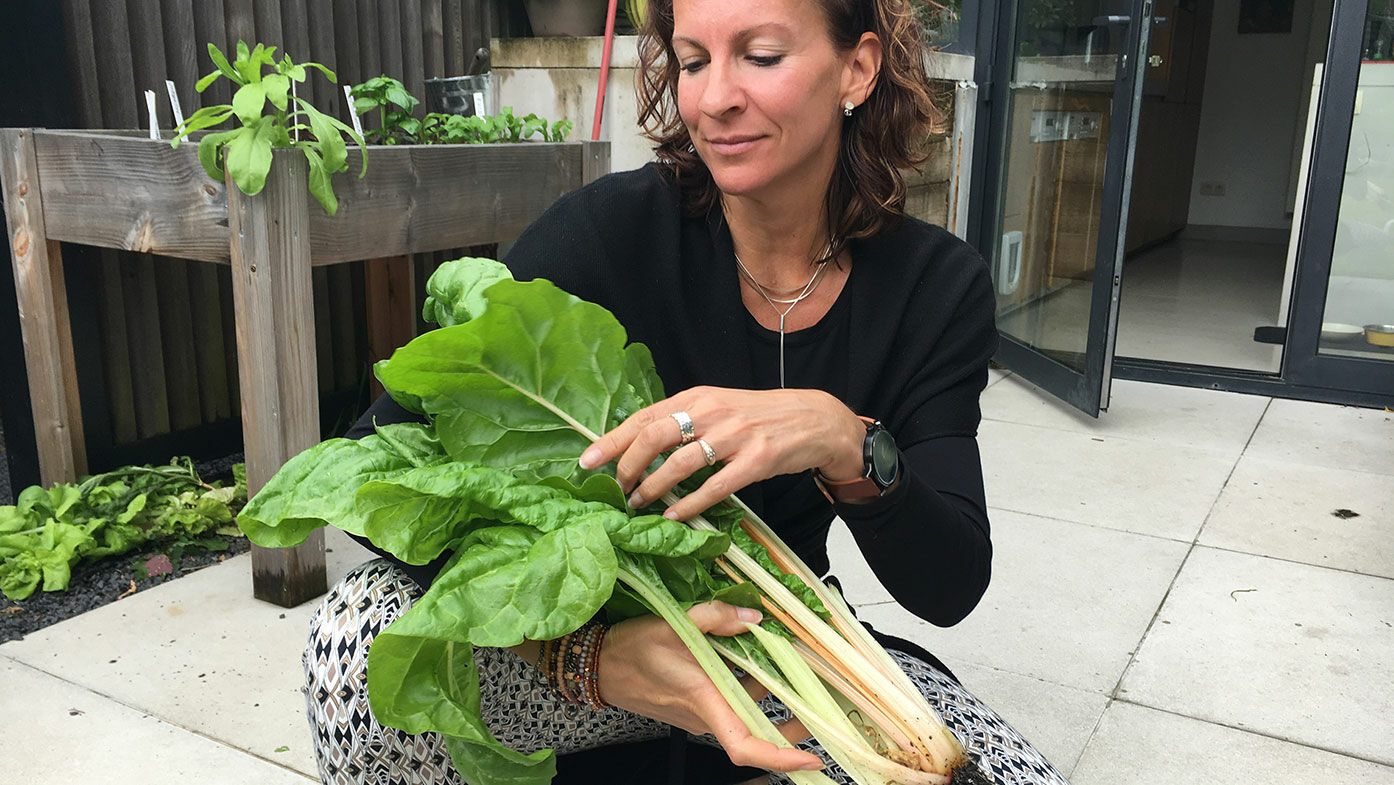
885,458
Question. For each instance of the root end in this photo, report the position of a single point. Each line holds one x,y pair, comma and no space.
970,774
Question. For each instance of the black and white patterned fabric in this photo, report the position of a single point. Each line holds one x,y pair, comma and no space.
352,748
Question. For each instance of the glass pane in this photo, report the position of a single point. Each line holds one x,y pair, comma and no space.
1064,71
1359,315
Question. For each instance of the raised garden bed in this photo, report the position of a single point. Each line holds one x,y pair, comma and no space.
118,190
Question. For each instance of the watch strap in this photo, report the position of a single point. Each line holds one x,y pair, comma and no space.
856,490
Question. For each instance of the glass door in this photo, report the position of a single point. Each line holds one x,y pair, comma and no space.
1064,104
1341,334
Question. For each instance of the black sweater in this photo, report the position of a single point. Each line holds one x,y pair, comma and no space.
907,342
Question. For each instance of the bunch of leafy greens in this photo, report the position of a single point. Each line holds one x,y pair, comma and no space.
48,531
517,382
246,151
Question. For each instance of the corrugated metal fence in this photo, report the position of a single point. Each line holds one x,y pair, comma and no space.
154,336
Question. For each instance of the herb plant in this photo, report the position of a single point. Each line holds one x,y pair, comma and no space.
48,531
517,382
440,128
395,126
246,151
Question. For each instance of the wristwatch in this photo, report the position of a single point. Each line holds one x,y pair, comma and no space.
881,469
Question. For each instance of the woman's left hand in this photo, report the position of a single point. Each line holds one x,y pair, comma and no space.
757,434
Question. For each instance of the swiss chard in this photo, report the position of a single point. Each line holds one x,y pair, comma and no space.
522,379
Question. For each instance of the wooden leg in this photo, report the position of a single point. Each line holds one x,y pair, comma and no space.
391,300
43,314
273,302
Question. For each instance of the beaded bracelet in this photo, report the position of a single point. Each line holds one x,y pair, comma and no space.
570,665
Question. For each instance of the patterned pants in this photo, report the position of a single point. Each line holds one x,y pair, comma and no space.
351,747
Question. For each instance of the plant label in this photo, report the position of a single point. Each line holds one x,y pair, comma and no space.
174,103
154,121
479,104
353,115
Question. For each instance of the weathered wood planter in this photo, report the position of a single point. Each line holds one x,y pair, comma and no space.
114,190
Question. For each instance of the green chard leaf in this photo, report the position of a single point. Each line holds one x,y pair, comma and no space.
455,292
317,486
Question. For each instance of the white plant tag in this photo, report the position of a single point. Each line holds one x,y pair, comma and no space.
348,96
154,121
479,103
296,128
174,103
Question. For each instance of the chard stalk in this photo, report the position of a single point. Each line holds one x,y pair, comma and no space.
702,650
834,739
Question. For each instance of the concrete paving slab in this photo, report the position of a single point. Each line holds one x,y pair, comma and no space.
859,584
200,653
1338,437
1288,650
1068,603
1057,720
1327,517
1142,746
58,733
1185,416
1164,490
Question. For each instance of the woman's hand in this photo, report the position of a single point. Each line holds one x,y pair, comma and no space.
757,434
646,669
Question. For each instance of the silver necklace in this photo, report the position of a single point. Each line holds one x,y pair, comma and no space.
804,291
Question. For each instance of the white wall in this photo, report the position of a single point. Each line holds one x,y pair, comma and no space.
1250,119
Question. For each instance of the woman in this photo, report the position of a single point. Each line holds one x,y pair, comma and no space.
823,349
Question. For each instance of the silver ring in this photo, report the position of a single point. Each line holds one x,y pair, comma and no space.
707,451
685,426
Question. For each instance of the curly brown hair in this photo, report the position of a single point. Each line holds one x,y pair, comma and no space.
891,131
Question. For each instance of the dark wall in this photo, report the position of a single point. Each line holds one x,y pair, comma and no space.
36,92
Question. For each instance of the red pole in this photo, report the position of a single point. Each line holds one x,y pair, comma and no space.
604,70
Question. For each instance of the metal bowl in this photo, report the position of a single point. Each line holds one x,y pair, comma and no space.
1380,334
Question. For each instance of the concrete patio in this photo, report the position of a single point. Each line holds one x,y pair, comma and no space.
1173,602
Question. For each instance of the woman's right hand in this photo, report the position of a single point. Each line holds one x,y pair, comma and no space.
646,669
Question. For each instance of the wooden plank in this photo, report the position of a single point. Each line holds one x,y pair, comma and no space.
275,335
43,314
113,49
413,56
181,53
343,325
347,52
176,321
210,27
295,35
432,40
146,348
116,356
455,56
82,61
329,98
148,60
390,38
369,47
267,14
133,194
324,335
427,197
241,24
229,320
209,344
595,161
390,285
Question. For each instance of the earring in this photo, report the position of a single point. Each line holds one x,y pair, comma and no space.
847,109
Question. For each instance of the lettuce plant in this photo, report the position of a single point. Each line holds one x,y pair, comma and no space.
518,381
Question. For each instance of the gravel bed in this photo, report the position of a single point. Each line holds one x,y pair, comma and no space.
115,577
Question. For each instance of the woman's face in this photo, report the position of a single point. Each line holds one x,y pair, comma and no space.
761,92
